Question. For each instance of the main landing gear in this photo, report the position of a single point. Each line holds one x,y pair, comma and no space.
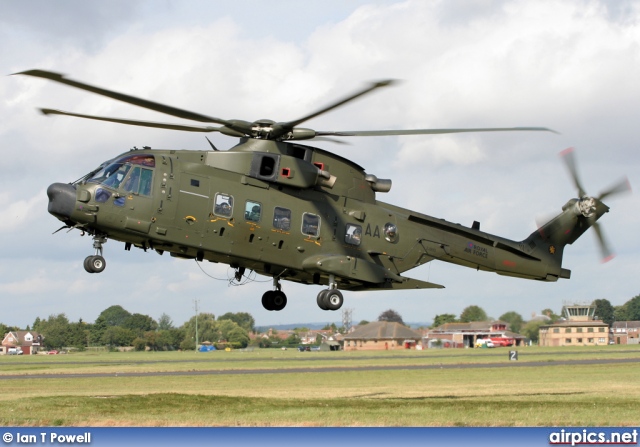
96,263
328,299
274,299
331,298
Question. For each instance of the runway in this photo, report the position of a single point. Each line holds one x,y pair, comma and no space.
321,370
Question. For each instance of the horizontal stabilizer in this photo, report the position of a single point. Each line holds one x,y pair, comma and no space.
406,284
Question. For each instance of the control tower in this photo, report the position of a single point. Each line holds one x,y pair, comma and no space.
579,312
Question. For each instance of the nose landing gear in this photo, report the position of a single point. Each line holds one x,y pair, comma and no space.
96,263
274,299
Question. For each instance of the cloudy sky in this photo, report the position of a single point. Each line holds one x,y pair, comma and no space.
573,66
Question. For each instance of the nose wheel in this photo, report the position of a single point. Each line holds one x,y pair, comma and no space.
274,299
96,263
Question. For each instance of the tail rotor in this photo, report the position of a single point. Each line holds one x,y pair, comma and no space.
589,207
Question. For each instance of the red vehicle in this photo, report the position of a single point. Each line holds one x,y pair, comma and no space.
53,352
502,341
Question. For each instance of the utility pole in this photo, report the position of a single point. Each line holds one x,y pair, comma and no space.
195,302
346,319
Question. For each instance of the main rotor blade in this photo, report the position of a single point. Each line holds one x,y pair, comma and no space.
620,187
570,161
291,124
135,122
378,133
173,111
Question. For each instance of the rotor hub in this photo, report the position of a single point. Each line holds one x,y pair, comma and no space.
587,206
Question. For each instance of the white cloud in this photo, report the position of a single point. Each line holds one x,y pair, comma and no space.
569,65
15,213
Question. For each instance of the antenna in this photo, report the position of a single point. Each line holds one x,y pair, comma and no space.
195,303
346,319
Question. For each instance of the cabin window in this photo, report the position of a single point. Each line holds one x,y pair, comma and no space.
282,218
390,232
353,234
311,224
252,211
223,205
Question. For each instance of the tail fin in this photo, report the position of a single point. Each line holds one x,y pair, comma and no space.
548,242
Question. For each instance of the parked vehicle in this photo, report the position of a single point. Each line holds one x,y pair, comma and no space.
503,341
53,352
14,351
484,343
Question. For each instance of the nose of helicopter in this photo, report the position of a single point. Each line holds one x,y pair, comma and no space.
62,199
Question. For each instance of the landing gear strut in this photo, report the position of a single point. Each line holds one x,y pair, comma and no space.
96,263
274,299
331,298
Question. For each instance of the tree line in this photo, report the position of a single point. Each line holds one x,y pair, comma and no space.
116,327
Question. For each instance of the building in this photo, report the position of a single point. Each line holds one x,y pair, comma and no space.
381,335
465,335
577,328
625,332
28,341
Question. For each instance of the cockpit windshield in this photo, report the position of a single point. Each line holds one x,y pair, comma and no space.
112,174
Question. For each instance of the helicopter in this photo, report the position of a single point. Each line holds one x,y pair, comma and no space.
293,212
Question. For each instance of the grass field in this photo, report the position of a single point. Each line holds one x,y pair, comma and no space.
289,388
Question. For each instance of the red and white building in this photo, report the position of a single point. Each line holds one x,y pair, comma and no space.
27,341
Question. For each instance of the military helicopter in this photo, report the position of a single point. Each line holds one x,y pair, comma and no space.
291,211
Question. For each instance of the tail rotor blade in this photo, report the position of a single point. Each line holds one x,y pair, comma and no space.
606,254
621,187
569,159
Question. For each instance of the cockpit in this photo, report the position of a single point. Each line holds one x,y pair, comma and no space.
132,173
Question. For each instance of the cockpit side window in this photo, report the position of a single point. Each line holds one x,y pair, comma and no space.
139,181
132,184
113,173
146,182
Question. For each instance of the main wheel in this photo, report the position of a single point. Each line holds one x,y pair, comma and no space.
94,264
279,300
322,301
87,264
267,300
333,299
